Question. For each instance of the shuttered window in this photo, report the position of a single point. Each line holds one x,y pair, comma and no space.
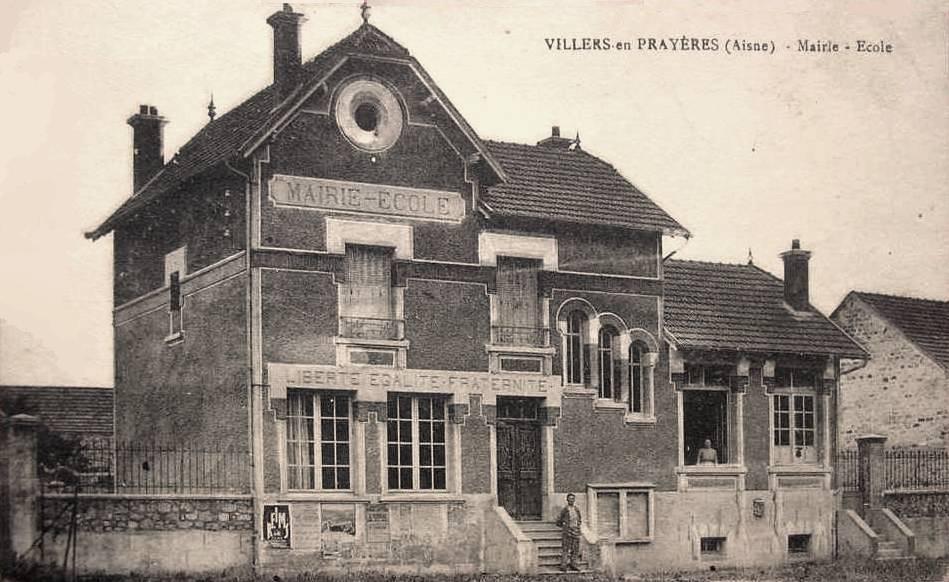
517,292
368,288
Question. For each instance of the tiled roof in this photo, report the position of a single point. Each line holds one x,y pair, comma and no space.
924,321
63,409
538,181
232,133
741,307
570,185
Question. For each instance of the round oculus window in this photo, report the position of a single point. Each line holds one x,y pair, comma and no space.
369,115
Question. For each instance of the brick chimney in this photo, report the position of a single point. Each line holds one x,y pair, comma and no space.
147,145
287,60
796,285
555,141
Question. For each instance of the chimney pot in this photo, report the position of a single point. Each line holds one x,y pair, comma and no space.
152,110
555,131
796,283
143,109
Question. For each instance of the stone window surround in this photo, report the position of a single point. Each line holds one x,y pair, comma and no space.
399,237
623,489
626,337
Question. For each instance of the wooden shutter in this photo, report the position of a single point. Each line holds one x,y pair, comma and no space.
517,292
368,289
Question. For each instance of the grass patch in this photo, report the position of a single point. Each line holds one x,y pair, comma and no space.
844,570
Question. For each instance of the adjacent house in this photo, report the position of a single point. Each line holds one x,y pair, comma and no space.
427,339
902,391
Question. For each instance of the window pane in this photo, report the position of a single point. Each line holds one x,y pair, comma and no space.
607,514
405,478
425,455
342,430
342,478
393,478
424,408
637,515
439,478
439,455
438,433
329,454
425,478
329,478
405,407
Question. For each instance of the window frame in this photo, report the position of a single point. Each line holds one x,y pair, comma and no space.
622,490
416,443
793,416
316,397
575,334
609,373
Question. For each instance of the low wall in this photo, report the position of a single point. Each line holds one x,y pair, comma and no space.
122,533
397,537
927,514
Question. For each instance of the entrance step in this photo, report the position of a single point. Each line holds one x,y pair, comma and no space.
547,539
890,550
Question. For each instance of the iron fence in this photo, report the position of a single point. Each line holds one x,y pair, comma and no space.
510,335
371,328
151,468
848,470
913,469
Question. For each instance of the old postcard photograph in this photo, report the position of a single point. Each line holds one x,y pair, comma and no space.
385,289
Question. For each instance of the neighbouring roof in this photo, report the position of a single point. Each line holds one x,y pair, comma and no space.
571,185
536,181
925,322
63,409
741,307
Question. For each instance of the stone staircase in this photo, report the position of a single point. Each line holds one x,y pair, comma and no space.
890,550
547,540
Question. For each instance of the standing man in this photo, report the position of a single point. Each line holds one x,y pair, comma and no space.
569,523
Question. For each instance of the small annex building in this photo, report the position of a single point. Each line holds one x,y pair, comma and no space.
79,413
902,391
427,339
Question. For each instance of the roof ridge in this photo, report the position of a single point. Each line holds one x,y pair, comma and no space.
705,262
900,297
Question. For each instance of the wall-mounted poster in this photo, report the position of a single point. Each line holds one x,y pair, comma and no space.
338,529
277,526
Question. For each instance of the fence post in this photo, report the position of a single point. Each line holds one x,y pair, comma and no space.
872,472
19,486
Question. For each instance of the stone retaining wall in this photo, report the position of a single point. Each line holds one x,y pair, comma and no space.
108,513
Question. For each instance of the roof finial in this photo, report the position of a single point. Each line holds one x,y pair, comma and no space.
364,11
576,142
211,108
751,259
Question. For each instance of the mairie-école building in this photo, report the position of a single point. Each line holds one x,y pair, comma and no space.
426,339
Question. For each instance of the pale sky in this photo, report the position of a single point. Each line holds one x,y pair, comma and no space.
848,152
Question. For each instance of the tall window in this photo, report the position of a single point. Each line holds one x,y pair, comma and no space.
318,440
578,364
518,302
368,289
174,303
638,382
365,301
609,364
416,443
794,428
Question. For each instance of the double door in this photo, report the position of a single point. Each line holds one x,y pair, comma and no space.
519,460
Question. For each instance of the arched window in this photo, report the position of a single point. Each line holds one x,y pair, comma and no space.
609,363
638,380
578,367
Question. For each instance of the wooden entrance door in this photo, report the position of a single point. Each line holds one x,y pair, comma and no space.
519,459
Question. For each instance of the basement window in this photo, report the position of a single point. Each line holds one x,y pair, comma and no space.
799,544
713,547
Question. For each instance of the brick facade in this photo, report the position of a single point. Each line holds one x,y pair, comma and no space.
399,439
